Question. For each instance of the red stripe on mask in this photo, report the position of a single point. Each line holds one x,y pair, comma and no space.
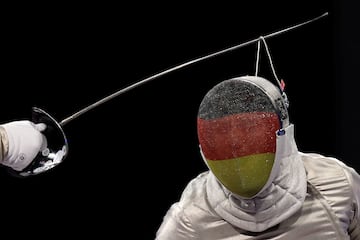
238,135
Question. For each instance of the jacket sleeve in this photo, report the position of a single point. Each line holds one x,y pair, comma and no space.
4,145
355,224
175,226
354,181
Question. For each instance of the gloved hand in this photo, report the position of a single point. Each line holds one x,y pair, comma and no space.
25,141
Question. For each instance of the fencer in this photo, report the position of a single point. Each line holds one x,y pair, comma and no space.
258,184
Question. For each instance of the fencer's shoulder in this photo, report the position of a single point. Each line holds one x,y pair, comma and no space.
338,183
193,202
320,167
194,190
322,160
319,160
185,217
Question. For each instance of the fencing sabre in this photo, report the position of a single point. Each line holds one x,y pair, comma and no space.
57,148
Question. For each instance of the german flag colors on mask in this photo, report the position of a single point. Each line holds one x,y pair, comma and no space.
237,124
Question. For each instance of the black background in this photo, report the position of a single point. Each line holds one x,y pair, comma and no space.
130,158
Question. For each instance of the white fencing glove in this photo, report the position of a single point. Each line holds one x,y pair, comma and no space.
25,142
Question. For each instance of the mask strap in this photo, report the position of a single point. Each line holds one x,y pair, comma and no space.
257,58
280,83
262,39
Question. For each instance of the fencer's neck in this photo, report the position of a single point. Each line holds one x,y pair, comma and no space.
281,198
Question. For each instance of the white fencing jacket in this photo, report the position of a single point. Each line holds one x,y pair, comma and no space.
312,197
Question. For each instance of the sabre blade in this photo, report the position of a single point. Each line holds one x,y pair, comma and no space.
183,65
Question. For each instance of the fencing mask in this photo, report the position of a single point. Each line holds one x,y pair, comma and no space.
238,121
